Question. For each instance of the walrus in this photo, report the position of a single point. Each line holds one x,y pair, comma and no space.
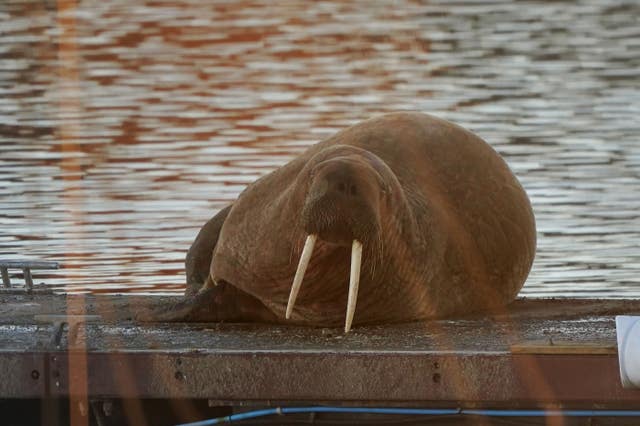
405,215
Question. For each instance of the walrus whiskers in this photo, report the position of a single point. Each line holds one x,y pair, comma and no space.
354,282
302,267
354,278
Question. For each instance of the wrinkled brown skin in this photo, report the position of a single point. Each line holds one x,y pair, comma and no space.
446,227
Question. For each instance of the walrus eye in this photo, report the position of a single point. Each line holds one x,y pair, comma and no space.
354,278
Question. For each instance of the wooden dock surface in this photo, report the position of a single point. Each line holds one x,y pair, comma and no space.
539,352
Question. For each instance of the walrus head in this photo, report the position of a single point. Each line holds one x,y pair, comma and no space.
343,200
342,206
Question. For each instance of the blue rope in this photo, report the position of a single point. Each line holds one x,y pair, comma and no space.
416,411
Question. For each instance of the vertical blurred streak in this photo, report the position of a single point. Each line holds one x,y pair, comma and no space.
69,109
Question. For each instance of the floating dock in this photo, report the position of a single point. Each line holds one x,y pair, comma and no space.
88,349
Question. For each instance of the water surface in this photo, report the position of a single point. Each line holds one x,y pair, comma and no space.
125,126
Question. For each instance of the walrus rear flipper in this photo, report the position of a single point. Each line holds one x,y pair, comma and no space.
199,255
223,302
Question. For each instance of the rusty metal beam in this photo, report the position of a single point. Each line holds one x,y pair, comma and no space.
6,281
26,266
22,375
473,379
31,264
534,355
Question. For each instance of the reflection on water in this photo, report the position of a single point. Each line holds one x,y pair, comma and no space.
125,126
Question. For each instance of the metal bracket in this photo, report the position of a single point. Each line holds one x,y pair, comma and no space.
26,266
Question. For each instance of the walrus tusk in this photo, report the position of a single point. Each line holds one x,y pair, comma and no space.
209,283
354,282
302,267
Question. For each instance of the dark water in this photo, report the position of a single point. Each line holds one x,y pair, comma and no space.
125,125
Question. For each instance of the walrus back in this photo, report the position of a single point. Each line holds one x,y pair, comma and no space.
477,199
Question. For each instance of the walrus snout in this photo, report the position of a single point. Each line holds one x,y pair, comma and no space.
342,203
342,206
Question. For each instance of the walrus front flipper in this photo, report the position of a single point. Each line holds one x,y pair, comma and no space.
199,255
223,302
181,311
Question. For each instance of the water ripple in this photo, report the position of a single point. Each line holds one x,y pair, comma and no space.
124,127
